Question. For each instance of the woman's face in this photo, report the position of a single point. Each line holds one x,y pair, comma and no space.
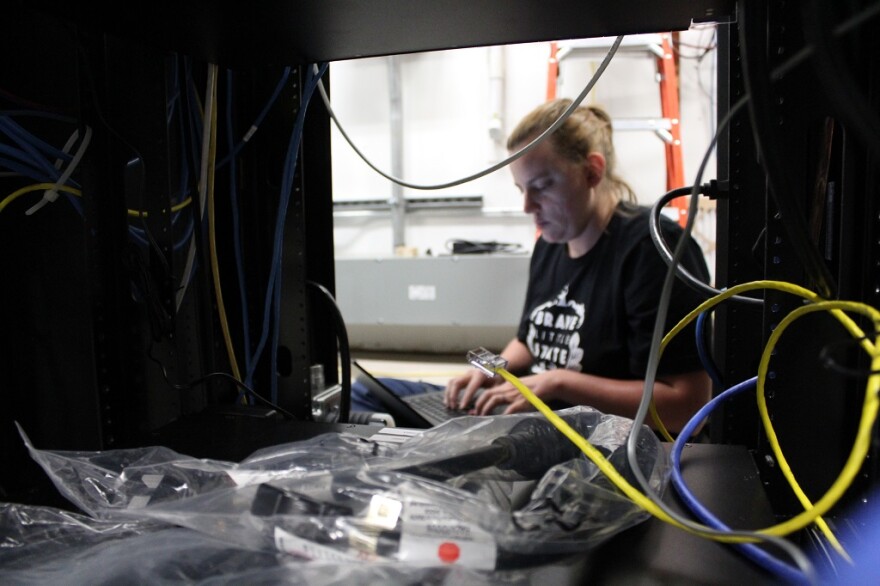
557,192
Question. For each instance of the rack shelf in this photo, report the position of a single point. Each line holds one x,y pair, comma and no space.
294,32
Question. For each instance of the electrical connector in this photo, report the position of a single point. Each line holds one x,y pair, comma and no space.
715,189
486,361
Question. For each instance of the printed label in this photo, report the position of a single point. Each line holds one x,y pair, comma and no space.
383,512
246,477
430,534
289,543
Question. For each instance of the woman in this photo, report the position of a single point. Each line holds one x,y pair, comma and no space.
594,284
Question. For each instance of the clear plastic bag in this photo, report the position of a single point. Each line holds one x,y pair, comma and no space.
41,545
490,494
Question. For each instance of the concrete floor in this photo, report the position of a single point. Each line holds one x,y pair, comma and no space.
432,368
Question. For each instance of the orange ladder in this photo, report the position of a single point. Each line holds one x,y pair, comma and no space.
670,110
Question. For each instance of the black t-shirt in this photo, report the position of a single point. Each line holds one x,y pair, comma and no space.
595,314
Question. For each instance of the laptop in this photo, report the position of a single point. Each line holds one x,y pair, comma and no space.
419,411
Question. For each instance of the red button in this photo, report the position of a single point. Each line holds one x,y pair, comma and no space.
448,552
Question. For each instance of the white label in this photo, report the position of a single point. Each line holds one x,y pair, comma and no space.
289,543
152,480
422,293
429,534
138,502
384,512
246,477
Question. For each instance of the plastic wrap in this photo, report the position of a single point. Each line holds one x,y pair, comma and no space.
100,483
484,495
41,545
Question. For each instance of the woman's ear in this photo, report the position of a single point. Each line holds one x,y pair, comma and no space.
595,166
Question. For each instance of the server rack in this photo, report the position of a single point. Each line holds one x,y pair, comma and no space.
93,335
106,345
824,210
98,351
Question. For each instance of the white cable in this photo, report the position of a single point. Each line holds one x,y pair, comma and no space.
497,166
50,195
790,548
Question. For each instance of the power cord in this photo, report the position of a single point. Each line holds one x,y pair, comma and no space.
831,363
222,375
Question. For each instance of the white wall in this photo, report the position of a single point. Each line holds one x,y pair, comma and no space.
448,133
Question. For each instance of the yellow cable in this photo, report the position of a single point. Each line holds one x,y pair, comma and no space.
212,232
74,191
36,187
793,289
655,417
710,303
175,208
765,415
838,488
605,466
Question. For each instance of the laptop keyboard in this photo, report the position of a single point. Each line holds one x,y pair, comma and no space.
430,405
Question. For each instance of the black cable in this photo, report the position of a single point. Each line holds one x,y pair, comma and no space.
778,72
138,157
144,290
845,27
838,85
344,352
831,363
189,385
159,315
758,247
663,248
767,143
660,243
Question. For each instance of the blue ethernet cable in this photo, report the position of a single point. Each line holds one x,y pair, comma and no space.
139,236
29,161
22,168
312,79
272,306
195,122
703,351
784,571
39,114
174,99
230,159
18,133
233,152
236,229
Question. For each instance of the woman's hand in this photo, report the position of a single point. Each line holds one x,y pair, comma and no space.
461,390
545,385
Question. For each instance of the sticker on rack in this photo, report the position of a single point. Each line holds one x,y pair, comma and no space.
421,293
431,534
